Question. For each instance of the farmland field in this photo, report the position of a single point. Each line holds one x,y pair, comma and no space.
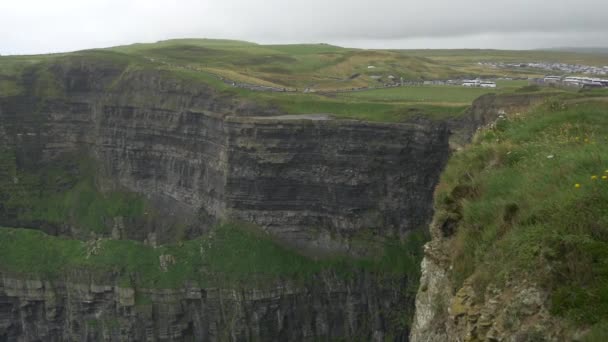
426,94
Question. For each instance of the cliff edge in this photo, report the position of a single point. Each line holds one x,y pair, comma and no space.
518,245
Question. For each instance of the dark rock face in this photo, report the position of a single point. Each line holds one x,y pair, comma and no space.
335,176
363,309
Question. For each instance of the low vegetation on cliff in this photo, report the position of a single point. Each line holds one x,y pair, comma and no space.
63,193
229,255
528,202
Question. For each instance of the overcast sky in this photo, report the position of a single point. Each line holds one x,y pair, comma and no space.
38,26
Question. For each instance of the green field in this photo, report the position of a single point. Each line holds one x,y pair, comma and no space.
327,67
449,95
322,66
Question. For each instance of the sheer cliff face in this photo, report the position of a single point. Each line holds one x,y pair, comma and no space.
301,177
328,309
201,156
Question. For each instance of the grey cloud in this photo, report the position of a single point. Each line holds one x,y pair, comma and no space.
28,26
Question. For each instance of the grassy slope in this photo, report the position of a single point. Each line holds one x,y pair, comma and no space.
294,66
520,213
340,106
319,66
450,95
327,67
229,255
473,55
64,192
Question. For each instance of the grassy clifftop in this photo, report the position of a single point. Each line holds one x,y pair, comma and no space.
528,202
321,67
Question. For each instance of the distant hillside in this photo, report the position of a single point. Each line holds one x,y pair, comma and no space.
377,85
592,50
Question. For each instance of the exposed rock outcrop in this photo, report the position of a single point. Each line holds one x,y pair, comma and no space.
364,308
443,314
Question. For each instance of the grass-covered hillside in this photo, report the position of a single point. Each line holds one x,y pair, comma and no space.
528,201
322,68
327,67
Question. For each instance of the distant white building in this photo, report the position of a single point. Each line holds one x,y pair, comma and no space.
479,84
552,79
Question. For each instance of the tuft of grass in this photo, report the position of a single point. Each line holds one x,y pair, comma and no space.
598,333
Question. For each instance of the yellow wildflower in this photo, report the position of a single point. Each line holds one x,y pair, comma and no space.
594,177
604,177
577,185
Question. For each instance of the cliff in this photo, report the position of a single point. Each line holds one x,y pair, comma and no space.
199,155
34,310
97,152
516,253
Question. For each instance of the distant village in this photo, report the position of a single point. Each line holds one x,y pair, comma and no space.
392,81
561,67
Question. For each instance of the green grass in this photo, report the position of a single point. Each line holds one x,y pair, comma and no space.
447,95
63,192
339,106
9,87
425,94
511,83
319,66
361,109
468,57
329,67
519,215
229,255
